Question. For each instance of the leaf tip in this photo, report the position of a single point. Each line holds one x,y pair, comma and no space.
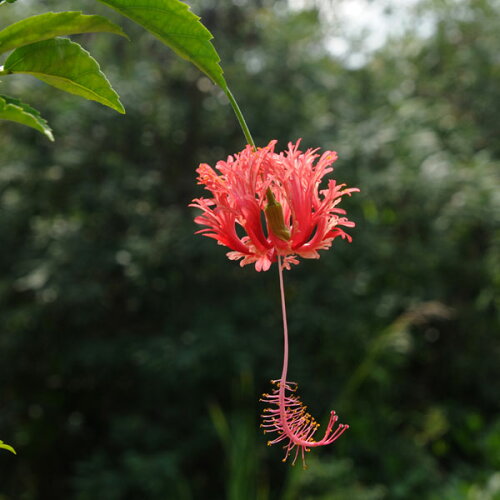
125,35
7,447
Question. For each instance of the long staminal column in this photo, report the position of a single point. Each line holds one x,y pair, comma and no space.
287,415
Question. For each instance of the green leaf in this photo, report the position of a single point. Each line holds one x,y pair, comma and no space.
66,65
176,26
52,24
17,111
7,447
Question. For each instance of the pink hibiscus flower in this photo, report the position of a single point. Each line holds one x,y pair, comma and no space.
281,189
269,207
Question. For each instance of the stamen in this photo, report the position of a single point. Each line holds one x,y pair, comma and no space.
286,414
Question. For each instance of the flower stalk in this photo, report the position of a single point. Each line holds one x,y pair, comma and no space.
240,117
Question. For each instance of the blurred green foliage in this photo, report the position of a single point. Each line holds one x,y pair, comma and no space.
133,353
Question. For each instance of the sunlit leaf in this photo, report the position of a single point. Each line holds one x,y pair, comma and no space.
45,26
17,111
176,26
66,65
7,447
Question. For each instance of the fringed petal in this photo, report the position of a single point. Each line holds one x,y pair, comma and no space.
239,186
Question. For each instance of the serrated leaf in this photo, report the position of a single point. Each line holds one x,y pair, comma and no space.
45,26
16,111
67,66
176,26
7,447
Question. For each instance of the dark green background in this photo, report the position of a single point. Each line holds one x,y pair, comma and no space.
133,353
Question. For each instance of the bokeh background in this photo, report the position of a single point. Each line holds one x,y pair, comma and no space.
133,353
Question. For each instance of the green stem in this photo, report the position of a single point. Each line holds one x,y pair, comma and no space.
241,119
